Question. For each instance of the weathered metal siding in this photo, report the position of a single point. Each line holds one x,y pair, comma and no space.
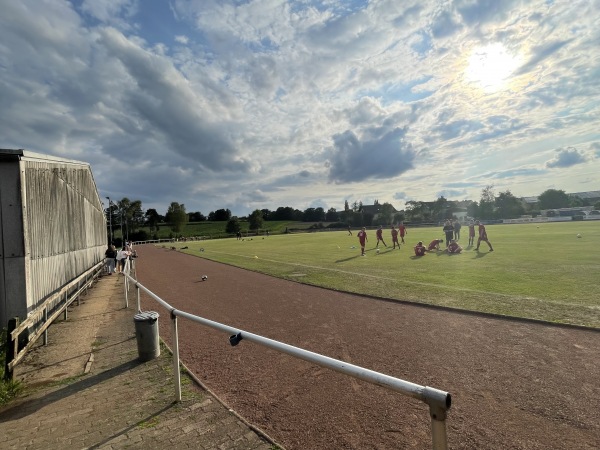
62,230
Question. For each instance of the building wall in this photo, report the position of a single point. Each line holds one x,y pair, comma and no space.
61,231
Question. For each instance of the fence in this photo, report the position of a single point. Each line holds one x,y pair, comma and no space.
439,402
42,317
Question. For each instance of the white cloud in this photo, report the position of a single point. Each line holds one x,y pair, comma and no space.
269,103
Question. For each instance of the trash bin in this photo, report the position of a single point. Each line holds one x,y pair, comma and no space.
146,334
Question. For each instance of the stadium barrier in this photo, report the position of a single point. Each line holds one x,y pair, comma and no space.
439,401
39,320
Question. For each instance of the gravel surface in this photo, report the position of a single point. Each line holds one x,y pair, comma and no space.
514,384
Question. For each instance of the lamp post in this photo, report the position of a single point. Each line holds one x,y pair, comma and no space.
110,220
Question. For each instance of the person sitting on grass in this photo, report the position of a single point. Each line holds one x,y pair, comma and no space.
435,245
453,247
420,249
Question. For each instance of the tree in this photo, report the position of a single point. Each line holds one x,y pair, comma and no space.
176,217
255,220
553,199
440,207
508,206
487,202
220,215
346,206
197,217
266,214
152,219
385,213
313,215
233,225
473,209
332,215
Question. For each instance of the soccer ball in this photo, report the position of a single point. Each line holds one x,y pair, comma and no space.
377,251
204,277
578,235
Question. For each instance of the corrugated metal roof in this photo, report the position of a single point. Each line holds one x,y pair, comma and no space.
26,155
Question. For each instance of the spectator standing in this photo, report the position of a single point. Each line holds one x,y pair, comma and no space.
449,231
110,255
457,226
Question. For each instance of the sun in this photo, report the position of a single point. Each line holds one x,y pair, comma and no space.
490,67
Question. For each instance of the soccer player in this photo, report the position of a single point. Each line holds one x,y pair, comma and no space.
420,249
395,238
453,247
402,231
362,238
435,245
349,231
379,234
482,236
471,232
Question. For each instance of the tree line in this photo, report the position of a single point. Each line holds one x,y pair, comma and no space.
129,217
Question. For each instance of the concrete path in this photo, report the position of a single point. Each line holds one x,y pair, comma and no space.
87,389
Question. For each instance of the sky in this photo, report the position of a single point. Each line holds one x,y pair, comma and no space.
259,104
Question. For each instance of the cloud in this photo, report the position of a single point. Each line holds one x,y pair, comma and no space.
566,157
452,193
382,157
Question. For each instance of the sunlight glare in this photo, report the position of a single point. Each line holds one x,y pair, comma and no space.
490,67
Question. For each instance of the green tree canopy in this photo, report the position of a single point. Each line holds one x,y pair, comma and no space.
233,225
152,219
508,206
487,202
176,217
255,220
552,199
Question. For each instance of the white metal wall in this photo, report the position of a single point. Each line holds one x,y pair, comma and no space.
63,228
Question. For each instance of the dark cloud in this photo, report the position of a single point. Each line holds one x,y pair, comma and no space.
161,99
566,157
384,156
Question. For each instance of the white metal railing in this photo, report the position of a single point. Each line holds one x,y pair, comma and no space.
439,401
44,315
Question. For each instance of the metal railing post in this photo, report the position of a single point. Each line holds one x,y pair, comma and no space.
46,330
66,307
137,290
125,287
438,434
175,338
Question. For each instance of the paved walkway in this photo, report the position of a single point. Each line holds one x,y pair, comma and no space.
87,389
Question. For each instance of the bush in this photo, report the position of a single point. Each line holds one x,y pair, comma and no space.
577,218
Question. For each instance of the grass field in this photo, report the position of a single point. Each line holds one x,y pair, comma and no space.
544,272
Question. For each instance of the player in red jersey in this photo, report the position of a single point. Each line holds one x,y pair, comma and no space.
482,236
435,245
420,249
453,247
402,230
395,237
471,233
362,238
379,234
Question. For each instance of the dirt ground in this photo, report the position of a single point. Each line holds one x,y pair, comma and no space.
514,384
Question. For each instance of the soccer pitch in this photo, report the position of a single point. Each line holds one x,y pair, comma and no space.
537,271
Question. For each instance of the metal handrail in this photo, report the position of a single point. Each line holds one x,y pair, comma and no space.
439,401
